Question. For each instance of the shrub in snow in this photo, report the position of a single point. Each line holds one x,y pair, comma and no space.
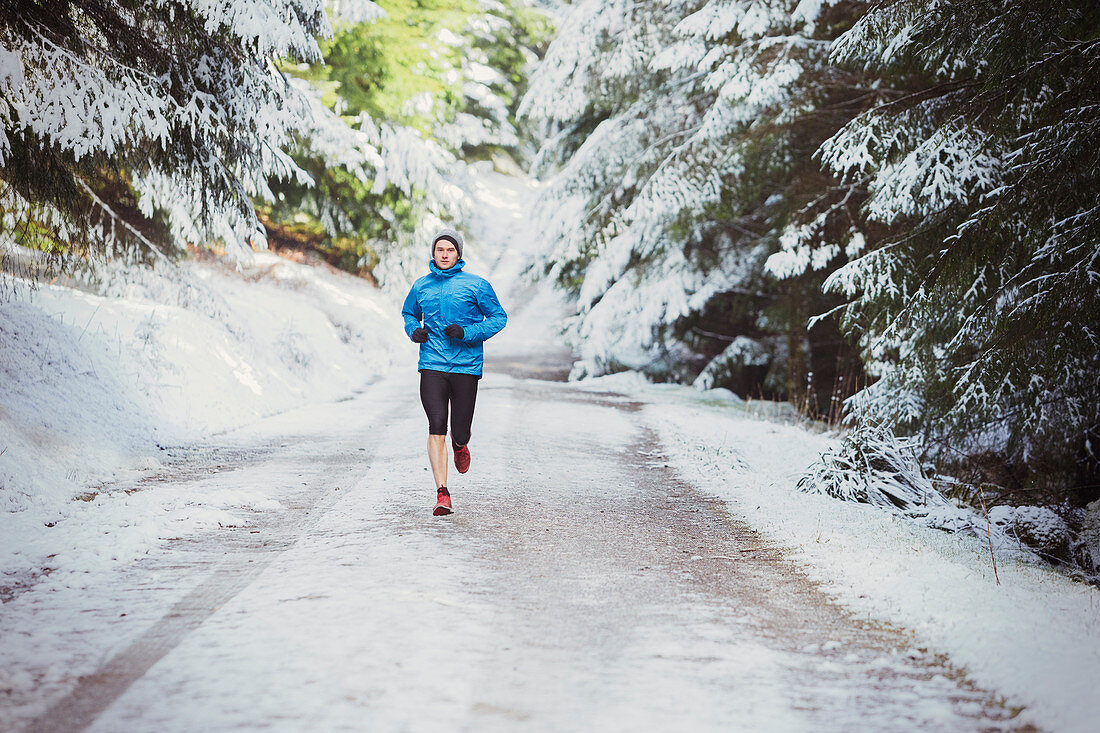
1090,537
873,466
1035,527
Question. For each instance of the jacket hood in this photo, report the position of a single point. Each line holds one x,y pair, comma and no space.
449,272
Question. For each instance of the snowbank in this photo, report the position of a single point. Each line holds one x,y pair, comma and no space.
93,387
1035,637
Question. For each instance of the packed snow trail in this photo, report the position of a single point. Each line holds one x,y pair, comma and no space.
580,585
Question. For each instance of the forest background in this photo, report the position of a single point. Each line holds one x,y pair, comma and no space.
885,213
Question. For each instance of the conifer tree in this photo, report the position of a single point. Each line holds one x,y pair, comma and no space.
178,101
685,133
401,102
981,318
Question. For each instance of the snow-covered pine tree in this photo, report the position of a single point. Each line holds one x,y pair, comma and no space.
982,317
684,131
179,101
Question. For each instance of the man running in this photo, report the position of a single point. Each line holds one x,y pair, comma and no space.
450,313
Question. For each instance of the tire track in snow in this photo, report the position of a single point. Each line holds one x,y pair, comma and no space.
248,551
626,599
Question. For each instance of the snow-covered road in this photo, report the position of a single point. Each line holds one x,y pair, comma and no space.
580,585
624,556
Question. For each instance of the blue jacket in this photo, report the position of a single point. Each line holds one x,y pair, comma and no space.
443,297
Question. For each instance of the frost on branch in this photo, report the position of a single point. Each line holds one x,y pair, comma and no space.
575,74
741,353
355,11
673,138
158,92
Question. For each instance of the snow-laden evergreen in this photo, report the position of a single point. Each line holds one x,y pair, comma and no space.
386,139
980,315
680,130
196,115
933,165
384,157
182,97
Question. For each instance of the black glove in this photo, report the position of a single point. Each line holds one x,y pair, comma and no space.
419,335
454,331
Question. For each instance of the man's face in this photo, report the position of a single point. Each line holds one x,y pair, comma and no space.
445,254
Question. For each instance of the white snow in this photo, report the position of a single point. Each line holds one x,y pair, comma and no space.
94,386
1035,637
90,384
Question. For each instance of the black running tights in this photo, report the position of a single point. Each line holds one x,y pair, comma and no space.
437,389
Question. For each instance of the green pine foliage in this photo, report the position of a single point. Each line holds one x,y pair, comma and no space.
982,314
416,71
96,96
378,67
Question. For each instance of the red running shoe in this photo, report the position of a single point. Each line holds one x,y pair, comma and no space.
442,502
462,459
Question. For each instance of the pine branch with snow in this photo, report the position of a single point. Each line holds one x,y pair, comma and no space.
681,134
984,310
182,94
400,102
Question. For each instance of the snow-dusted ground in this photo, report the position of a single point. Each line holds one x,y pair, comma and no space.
95,387
258,554
581,588
1034,638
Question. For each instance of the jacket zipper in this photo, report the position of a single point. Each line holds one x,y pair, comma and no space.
442,285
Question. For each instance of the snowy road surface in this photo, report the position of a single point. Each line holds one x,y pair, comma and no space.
580,585
289,575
